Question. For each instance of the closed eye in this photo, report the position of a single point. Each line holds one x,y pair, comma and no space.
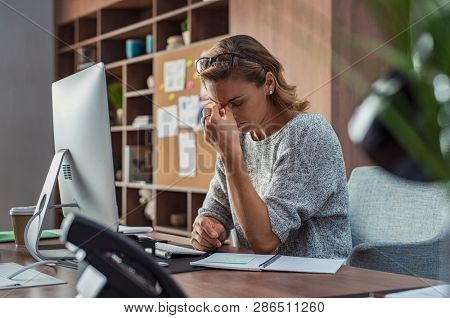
237,103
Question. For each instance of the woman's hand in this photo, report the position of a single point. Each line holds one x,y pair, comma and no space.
221,131
207,234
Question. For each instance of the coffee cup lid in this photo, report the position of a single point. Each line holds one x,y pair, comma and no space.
26,210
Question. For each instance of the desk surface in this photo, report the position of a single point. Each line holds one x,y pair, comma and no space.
347,281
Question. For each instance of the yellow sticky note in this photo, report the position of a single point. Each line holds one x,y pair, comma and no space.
189,63
161,86
171,97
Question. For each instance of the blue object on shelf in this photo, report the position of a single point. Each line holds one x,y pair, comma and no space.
149,43
134,47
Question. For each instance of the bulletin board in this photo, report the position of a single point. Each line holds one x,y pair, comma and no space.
166,156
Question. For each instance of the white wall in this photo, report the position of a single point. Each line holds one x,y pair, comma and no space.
26,74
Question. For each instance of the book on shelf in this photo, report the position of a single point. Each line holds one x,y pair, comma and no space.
86,57
137,164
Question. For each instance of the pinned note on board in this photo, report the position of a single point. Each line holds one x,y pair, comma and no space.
187,153
167,123
188,107
174,75
190,85
189,63
171,97
161,87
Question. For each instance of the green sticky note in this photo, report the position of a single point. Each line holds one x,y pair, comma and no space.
8,236
230,259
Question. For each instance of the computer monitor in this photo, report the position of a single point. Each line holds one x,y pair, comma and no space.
83,162
81,125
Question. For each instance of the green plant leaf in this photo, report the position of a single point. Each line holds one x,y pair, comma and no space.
115,95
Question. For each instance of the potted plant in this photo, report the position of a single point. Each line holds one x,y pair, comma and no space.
185,32
115,97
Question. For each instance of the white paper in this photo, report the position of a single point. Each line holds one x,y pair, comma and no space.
189,109
201,105
29,278
187,152
306,264
167,125
174,75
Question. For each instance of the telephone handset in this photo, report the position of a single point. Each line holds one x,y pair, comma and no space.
115,266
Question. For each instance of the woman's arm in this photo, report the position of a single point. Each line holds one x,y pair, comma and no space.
250,209
214,221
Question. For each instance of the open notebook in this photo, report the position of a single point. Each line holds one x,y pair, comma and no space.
254,262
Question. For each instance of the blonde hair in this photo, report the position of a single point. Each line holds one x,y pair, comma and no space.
253,67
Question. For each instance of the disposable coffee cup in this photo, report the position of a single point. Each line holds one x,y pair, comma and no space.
19,219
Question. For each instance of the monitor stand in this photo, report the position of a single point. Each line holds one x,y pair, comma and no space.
34,226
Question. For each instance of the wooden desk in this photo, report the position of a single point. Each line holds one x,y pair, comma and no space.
347,281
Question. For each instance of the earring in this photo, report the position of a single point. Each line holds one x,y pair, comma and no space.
270,92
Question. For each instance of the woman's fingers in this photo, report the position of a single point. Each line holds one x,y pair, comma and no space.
205,244
199,246
206,238
215,112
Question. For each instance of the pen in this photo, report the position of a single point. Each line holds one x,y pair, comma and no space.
159,253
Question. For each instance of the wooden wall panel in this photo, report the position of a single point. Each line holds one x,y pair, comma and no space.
352,21
298,33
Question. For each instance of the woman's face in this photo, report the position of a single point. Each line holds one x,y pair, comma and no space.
248,103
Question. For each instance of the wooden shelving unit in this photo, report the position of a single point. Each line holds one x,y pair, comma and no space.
105,31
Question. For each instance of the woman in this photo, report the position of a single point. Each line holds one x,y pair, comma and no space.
280,177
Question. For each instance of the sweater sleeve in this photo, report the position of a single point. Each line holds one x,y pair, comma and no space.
216,203
306,173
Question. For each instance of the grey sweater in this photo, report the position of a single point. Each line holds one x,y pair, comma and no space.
299,172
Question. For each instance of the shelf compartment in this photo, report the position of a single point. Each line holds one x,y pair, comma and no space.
66,34
116,118
139,138
137,74
112,50
138,157
169,203
168,27
125,13
196,203
87,27
136,106
116,142
66,64
210,21
85,57
114,71
135,210
163,6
